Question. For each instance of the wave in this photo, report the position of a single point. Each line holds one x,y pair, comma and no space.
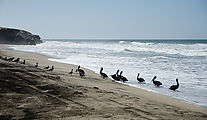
70,47
170,51
128,50
123,42
141,43
147,57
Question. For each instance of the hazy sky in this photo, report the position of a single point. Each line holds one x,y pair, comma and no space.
107,18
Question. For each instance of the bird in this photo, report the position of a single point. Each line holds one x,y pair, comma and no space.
174,87
81,72
71,72
157,83
10,58
122,78
47,67
116,76
51,69
140,79
103,74
17,60
23,62
36,65
5,58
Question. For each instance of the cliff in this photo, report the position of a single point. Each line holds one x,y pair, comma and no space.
18,37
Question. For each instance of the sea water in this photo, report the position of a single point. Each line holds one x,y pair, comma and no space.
166,59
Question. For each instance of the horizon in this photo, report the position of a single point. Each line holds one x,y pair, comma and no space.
117,19
125,38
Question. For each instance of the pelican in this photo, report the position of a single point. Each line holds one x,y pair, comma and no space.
81,72
140,79
157,83
103,74
174,87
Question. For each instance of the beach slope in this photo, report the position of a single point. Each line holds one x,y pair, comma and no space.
27,92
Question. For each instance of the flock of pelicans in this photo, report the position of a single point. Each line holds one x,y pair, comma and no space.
117,76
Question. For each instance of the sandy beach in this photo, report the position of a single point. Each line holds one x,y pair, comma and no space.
35,93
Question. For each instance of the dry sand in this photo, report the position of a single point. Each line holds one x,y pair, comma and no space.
27,92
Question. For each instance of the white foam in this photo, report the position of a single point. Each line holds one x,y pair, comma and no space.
122,42
186,50
167,61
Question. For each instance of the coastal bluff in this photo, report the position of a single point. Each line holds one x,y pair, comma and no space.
18,37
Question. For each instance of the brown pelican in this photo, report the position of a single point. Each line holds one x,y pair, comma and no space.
17,60
157,83
81,72
116,76
140,79
51,69
122,78
174,87
103,74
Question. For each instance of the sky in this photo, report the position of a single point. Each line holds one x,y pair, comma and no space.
105,19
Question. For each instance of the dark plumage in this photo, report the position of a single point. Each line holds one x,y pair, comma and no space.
17,60
140,79
51,69
71,72
36,65
174,87
5,58
122,78
9,59
47,67
81,72
157,83
23,62
103,74
116,76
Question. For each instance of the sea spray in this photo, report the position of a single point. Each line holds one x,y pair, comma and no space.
167,59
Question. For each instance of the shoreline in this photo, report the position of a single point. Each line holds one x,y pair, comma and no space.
93,79
50,57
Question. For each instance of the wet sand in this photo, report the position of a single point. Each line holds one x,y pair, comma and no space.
27,92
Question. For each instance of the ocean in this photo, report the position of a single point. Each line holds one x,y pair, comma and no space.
166,59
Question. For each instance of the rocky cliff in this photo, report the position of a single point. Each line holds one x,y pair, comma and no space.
18,37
